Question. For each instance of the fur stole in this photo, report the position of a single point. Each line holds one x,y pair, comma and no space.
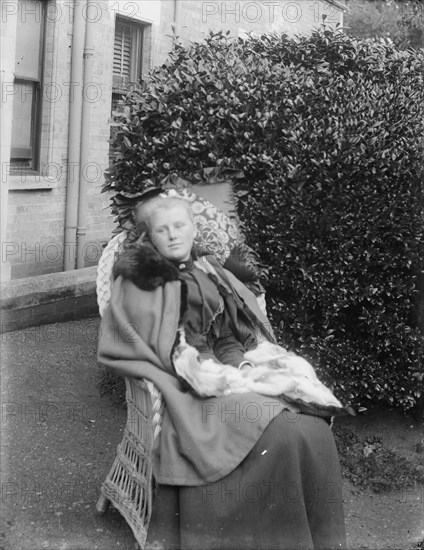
145,267
277,373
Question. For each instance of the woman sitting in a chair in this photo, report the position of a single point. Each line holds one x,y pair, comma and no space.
234,470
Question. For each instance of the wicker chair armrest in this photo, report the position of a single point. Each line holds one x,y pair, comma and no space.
105,269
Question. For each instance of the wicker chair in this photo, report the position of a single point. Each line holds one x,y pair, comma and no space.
129,485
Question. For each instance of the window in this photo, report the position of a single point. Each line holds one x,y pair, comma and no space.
27,85
130,57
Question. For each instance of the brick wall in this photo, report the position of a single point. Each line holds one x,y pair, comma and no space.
34,242
35,217
99,218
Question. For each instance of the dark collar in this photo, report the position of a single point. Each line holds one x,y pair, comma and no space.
147,269
187,265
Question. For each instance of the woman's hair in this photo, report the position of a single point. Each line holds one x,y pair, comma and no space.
144,210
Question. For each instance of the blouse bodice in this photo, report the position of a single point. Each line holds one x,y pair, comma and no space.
204,306
207,323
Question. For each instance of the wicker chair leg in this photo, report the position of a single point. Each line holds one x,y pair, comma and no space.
102,505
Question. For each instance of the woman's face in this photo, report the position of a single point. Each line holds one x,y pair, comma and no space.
172,232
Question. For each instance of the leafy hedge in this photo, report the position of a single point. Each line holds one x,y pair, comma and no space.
323,135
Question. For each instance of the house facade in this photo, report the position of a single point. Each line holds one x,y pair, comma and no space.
65,65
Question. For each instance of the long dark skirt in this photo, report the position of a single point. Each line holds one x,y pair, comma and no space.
286,494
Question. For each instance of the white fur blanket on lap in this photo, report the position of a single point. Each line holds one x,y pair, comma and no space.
277,373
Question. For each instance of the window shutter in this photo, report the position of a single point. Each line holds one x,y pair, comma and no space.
122,54
127,56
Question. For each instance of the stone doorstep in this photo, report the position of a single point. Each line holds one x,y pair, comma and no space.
50,298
